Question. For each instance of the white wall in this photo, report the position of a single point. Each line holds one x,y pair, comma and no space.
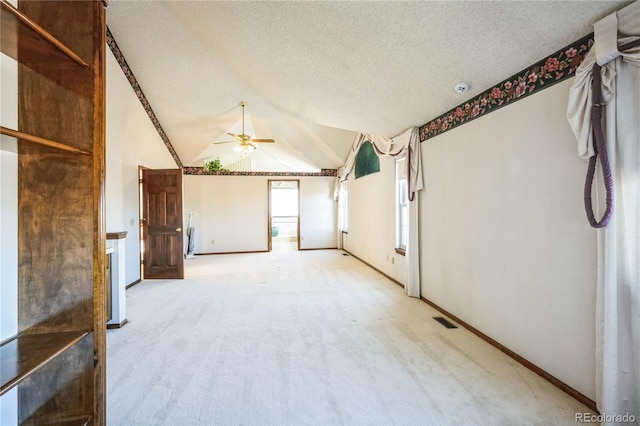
132,141
372,220
505,243
233,212
8,201
8,223
318,213
8,239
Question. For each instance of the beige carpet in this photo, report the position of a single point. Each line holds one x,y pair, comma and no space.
308,338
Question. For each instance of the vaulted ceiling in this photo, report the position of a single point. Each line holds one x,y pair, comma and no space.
313,74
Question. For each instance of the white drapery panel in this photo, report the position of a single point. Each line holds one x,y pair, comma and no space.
340,199
405,144
618,273
416,184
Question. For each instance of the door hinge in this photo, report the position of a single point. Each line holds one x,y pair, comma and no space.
142,261
140,180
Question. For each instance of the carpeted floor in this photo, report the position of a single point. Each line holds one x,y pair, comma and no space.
308,338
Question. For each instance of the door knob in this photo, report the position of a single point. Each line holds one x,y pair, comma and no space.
178,229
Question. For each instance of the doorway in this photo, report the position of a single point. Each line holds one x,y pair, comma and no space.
284,219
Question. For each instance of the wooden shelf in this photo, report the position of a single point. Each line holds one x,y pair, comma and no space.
41,141
75,422
23,355
28,43
82,421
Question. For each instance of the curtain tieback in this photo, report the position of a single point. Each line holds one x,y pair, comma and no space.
600,151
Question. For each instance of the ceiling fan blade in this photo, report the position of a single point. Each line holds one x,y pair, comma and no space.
217,143
263,140
238,137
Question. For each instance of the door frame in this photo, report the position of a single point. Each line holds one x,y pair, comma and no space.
269,222
140,221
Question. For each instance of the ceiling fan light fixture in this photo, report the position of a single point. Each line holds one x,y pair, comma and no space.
244,148
245,143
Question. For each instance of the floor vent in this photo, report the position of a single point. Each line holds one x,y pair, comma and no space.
445,322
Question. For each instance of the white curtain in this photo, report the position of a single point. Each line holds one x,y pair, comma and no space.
405,144
618,245
416,184
340,199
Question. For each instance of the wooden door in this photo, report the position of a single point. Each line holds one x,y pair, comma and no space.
162,224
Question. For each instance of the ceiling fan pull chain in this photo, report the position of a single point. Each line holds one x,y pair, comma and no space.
242,104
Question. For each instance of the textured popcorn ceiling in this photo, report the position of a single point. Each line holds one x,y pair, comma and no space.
315,73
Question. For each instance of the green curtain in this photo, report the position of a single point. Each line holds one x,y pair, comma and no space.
367,160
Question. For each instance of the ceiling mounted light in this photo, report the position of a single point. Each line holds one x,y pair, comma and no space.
244,148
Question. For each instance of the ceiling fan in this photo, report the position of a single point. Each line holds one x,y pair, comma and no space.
245,142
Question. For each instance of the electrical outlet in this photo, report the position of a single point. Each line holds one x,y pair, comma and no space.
393,260
132,221
212,241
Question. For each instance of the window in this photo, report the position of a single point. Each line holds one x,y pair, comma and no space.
343,202
402,206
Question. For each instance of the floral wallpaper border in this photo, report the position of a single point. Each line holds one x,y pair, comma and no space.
545,73
111,42
201,171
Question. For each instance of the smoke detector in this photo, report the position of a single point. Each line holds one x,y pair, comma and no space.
461,87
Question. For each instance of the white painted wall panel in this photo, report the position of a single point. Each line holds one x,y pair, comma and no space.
232,212
505,242
8,200
372,220
318,213
8,222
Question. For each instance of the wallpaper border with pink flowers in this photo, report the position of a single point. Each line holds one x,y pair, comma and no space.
201,171
553,69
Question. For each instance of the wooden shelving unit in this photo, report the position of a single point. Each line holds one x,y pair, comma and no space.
57,360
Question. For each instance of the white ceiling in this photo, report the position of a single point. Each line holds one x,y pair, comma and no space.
314,74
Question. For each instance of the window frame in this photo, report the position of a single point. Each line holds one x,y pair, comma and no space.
401,206
343,196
